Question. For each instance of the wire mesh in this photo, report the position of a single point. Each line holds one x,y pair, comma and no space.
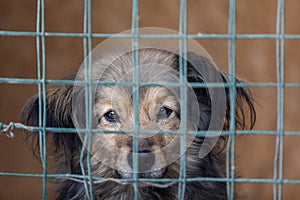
41,81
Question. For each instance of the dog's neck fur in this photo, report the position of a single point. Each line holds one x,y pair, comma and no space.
208,166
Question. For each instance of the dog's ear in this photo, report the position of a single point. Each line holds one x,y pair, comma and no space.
200,69
245,114
58,115
58,108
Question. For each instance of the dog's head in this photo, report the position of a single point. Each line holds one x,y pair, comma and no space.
122,110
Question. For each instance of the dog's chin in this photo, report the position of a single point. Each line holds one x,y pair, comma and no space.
160,173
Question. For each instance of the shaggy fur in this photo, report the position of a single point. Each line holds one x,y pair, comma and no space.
66,147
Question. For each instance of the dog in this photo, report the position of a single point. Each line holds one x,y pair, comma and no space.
159,108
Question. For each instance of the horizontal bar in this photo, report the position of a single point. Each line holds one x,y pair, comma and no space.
77,82
151,36
5,128
163,180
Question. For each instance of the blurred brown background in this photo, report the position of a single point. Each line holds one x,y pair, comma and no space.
256,62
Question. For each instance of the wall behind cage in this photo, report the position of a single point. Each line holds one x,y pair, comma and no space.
256,62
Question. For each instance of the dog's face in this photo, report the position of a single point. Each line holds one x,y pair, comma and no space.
158,110
121,112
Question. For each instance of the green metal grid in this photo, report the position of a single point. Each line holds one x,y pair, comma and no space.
88,35
135,58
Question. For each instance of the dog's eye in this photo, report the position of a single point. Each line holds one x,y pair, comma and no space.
111,116
164,112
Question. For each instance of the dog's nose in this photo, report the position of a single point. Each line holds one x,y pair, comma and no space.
146,160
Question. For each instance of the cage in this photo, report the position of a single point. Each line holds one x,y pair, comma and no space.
41,40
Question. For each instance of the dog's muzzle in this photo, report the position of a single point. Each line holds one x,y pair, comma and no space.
146,165
146,160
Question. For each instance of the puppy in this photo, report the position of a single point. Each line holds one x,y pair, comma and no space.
160,110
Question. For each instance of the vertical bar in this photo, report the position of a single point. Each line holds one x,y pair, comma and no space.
90,96
44,160
85,64
276,153
232,65
38,55
228,146
280,91
135,59
183,96
41,96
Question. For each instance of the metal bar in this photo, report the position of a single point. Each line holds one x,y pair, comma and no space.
4,80
135,62
90,97
232,90
11,126
163,180
85,147
44,97
280,112
106,35
183,96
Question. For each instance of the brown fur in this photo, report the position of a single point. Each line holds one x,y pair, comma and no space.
68,145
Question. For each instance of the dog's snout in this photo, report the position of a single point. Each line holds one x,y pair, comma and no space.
146,160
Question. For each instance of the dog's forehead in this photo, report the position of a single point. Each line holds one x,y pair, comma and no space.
152,64
150,94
